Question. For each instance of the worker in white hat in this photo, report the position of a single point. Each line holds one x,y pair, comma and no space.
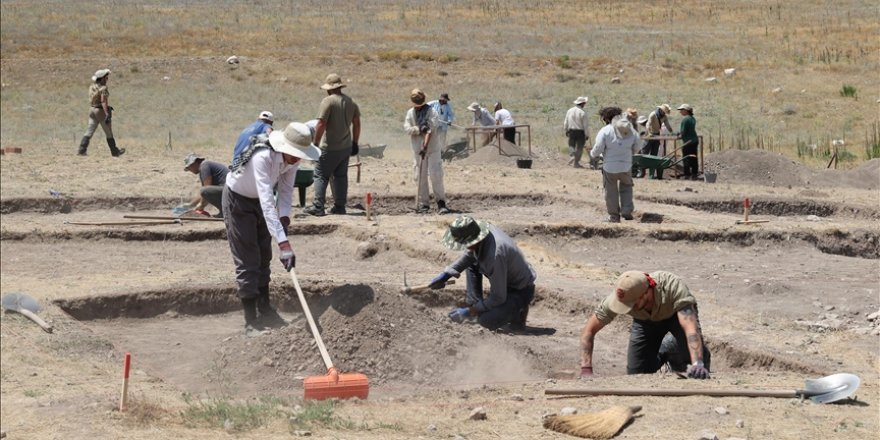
263,125
100,113
577,131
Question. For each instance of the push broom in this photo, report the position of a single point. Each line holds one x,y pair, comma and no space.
333,384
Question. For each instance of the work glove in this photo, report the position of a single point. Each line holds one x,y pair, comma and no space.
698,371
354,148
586,372
460,314
285,222
201,212
288,258
439,281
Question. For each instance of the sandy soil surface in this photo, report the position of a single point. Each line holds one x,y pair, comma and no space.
780,302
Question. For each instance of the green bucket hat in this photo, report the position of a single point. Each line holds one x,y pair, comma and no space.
465,232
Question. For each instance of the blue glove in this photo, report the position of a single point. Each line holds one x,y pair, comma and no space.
459,315
439,281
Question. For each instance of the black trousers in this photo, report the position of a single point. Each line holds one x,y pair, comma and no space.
691,167
648,350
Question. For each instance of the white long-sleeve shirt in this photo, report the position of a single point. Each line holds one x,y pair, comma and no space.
256,180
411,127
503,117
576,119
617,151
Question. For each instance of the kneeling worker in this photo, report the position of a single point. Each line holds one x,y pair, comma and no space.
489,251
659,303
212,176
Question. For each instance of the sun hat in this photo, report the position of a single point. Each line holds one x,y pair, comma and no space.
685,107
445,96
190,159
631,112
267,115
465,232
100,74
631,285
642,120
295,140
474,106
332,82
417,97
581,100
666,109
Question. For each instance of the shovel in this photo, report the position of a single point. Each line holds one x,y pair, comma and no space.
823,390
27,306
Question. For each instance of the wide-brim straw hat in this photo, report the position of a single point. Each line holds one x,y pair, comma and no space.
465,232
474,106
666,109
631,285
417,97
581,100
333,82
295,140
100,74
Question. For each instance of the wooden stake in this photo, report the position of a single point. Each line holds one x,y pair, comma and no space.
126,366
368,204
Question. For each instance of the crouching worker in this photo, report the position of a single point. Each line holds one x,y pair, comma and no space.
212,176
660,304
253,217
489,252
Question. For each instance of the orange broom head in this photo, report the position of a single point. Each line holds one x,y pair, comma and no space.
335,385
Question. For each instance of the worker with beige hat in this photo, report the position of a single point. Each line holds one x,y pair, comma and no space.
660,115
665,325
577,131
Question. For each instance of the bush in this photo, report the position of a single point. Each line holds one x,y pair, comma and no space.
229,414
564,62
848,91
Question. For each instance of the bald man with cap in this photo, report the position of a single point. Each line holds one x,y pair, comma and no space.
665,325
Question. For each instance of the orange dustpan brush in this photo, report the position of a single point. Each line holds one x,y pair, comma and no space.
333,384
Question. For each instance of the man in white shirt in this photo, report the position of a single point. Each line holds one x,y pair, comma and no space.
253,217
616,142
503,117
576,129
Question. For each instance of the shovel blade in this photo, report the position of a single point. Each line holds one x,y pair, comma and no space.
20,301
832,388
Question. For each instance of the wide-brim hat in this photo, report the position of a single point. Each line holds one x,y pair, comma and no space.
417,97
332,82
581,100
631,285
474,106
465,232
642,120
685,107
295,140
100,74
190,159
665,107
445,96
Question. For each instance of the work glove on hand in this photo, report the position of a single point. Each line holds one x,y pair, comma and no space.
459,315
354,148
439,281
586,372
201,212
288,258
698,371
285,223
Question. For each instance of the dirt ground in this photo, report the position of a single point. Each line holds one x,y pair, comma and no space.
780,302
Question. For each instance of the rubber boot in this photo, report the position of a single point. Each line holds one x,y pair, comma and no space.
441,207
116,152
251,326
518,324
269,317
83,145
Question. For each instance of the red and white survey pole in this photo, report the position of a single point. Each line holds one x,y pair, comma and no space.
747,206
126,366
369,204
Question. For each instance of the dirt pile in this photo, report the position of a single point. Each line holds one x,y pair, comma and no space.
762,167
392,339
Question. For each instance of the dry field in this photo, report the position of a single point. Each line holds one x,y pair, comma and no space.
780,302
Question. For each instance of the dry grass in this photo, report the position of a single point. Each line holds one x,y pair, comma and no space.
809,49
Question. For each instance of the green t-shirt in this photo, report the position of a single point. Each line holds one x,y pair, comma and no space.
670,296
688,129
337,112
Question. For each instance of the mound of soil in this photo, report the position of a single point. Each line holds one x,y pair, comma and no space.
762,167
490,154
390,338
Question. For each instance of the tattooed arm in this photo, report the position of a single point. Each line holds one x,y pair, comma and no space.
690,323
587,336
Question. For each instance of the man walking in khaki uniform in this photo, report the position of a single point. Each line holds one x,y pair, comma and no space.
575,126
337,134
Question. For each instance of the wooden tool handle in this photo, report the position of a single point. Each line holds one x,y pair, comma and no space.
422,289
671,392
302,301
33,317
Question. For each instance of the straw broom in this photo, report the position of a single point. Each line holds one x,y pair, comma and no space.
599,426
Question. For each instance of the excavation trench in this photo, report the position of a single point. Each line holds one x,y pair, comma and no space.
216,231
193,339
771,207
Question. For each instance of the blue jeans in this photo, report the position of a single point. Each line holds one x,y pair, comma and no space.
505,313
